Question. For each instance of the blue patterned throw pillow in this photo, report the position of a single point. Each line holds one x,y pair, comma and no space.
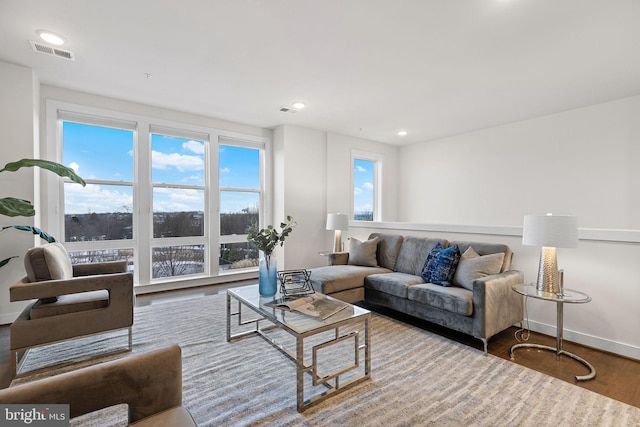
440,265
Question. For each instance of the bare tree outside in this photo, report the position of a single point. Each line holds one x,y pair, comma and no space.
169,261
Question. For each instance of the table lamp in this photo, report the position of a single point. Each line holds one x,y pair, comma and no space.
337,222
549,232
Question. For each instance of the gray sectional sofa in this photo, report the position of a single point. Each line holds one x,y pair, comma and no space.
387,270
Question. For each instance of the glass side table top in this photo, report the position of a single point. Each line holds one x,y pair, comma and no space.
567,296
297,322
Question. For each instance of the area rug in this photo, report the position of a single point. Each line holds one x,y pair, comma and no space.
418,378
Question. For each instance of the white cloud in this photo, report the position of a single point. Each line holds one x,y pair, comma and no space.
179,161
224,170
357,191
95,198
74,166
368,186
194,146
172,200
360,169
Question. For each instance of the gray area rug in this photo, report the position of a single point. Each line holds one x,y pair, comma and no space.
418,378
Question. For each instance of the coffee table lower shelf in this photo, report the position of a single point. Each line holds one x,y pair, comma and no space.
331,381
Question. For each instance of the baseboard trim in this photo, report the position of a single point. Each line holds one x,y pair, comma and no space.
622,349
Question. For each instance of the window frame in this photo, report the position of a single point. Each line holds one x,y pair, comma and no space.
142,240
263,202
377,160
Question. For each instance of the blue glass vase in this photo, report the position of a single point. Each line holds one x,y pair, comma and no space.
267,276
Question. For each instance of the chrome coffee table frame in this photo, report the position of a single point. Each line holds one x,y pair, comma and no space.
301,327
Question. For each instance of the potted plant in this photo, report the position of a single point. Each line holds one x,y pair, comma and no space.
266,240
11,207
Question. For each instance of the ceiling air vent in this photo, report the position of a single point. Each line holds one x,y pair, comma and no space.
60,53
287,110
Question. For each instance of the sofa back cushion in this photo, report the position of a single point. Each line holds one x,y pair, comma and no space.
48,262
487,249
413,253
388,248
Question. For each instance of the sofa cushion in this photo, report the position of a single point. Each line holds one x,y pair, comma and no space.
363,253
177,416
440,265
473,266
388,248
413,252
452,298
392,283
335,278
48,262
483,248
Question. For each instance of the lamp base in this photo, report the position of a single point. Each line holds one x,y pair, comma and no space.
548,275
337,241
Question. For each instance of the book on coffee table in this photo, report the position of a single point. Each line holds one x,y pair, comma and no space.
315,305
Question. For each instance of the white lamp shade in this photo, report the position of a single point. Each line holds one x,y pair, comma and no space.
337,222
558,231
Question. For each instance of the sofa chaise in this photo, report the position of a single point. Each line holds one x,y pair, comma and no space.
390,270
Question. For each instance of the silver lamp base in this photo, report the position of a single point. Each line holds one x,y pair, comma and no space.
548,275
337,241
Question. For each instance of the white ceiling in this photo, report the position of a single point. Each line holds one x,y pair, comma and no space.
365,68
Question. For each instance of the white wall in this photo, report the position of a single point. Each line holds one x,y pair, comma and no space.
312,177
339,168
581,162
18,115
299,191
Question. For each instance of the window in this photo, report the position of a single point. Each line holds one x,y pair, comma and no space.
151,198
240,200
178,182
365,197
102,210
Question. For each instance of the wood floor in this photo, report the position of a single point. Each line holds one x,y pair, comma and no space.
617,377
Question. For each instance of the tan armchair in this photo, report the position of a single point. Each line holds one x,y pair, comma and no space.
72,301
149,383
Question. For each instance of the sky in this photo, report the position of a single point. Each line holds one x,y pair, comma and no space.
99,153
363,178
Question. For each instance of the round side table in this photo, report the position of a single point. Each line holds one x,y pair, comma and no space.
567,296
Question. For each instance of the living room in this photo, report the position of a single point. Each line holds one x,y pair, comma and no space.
472,180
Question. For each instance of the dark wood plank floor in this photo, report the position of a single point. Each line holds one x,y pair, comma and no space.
617,377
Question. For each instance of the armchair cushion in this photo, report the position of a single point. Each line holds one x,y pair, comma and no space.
48,262
71,304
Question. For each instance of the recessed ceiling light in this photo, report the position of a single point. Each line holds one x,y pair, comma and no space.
51,37
402,132
298,105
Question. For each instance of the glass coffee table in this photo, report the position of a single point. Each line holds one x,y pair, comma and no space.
301,327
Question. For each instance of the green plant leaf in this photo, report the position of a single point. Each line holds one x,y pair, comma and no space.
35,230
268,238
54,167
6,261
10,206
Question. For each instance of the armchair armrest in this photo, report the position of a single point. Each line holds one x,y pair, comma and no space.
496,305
25,290
99,268
148,382
339,258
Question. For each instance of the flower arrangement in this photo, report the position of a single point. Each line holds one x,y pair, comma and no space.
266,239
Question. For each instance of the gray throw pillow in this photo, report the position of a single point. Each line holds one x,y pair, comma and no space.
473,266
363,253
